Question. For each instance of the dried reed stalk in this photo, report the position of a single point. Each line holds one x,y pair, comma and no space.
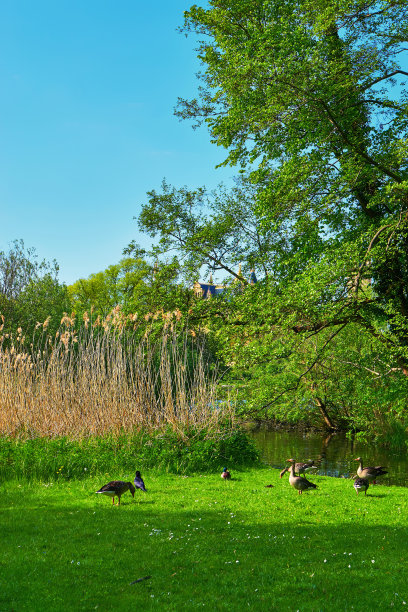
105,378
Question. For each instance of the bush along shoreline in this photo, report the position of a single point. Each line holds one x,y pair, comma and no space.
64,458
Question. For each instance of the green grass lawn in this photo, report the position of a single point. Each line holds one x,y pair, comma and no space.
204,543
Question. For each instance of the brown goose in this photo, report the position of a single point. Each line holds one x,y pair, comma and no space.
361,484
298,482
301,468
370,473
116,488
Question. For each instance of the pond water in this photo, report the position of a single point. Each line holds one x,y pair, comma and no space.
334,453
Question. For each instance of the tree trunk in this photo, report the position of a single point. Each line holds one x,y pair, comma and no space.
326,418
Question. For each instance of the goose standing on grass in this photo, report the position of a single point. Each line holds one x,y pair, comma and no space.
298,482
225,474
304,468
301,468
361,484
139,484
116,488
370,473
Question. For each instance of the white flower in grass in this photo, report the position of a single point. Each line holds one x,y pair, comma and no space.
372,560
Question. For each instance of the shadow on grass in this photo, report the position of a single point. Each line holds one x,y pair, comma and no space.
378,495
221,558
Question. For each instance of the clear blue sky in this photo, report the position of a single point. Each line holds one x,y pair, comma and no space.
88,89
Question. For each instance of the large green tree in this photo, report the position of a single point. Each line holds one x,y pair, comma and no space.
308,97
309,100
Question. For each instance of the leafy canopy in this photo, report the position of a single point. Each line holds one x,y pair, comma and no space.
309,100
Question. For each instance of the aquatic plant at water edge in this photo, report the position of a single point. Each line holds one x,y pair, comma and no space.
106,376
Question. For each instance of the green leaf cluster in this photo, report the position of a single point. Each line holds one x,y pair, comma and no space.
309,101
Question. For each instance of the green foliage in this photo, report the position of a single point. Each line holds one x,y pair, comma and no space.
302,99
41,300
341,378
309,101
30,291
217,229
200,452
62,458
203,542
19,267
134,284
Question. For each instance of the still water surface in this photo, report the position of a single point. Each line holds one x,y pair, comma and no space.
335,454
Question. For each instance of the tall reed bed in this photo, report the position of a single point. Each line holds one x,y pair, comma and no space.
108,376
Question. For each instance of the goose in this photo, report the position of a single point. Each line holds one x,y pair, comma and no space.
370,473
139,484
116,488
225,474
298,482
361,484
301,468
304,468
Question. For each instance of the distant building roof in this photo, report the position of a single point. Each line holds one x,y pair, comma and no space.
208,290
252,277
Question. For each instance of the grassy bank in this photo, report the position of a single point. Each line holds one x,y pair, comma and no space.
167,450
204,543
